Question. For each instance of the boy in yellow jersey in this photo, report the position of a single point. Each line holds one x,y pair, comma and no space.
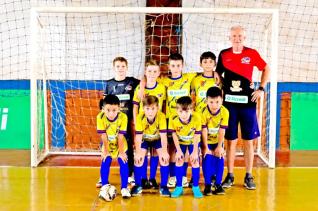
153,88
186,129
177,85
112,126
215,119
202,82
151,131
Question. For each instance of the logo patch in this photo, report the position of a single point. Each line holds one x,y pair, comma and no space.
128,88
236,86
245,60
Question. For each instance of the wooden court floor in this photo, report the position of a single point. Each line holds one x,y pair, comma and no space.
73,188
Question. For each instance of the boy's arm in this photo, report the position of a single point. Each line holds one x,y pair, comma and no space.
105,152
121,138
205,140
219,151
135,113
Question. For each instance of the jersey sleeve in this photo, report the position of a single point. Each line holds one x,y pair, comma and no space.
191,76
136,99
106,89
162,123
101,127
193,85
259,62
138,127
225,119
123,124
203,120
198,126
171,128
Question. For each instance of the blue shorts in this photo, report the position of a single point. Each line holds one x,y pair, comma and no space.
151,144
185,147
246,117
212,147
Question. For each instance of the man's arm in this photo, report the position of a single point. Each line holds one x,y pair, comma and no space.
264,79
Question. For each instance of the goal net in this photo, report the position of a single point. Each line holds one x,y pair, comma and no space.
72,49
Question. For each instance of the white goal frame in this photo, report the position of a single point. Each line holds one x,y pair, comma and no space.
35,11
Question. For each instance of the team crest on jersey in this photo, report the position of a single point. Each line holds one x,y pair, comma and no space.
171,83
128,87
159,95
203,83
246,60
236,86
178,129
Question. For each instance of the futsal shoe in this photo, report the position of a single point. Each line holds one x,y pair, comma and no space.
164,191
178,191
218,190
197,192
228,182
249,183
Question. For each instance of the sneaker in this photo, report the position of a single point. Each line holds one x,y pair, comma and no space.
131,181
125,193
228,182
190,183
136,190
249,183
172,182
185,183
164,191
207,190
178,191
197,192
99,183
145,184
218,190
153,184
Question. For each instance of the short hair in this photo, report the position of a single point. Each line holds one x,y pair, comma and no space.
150,100
233,28
184,102
152,62
207,55
120,59
176,57
111,100
213,92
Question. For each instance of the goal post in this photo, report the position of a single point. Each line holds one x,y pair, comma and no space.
70,48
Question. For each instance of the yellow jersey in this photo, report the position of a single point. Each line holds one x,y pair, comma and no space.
176,88
200,86
213,122
158,90
151,130
185,131
112,129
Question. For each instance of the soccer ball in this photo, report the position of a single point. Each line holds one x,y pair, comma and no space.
108,192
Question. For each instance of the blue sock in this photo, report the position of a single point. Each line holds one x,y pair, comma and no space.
219,168
207,169
196,176
172,169
164,172
153,166
144,168
124,171
185,168
179,175
137,174
104,170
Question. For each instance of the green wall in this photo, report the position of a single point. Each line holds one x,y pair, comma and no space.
15,107
304,121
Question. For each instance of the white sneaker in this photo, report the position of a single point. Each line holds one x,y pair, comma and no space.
185,182
131,180
172,182
125,193
99,183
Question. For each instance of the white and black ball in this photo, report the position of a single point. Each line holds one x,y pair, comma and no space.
108,192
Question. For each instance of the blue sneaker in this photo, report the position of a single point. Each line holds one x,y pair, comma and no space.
197,192
164,191
136,190
178,191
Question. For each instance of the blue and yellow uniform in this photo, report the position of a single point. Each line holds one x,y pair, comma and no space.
112,129
151,130
158,91
176,88
213,122
185,131
200,86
